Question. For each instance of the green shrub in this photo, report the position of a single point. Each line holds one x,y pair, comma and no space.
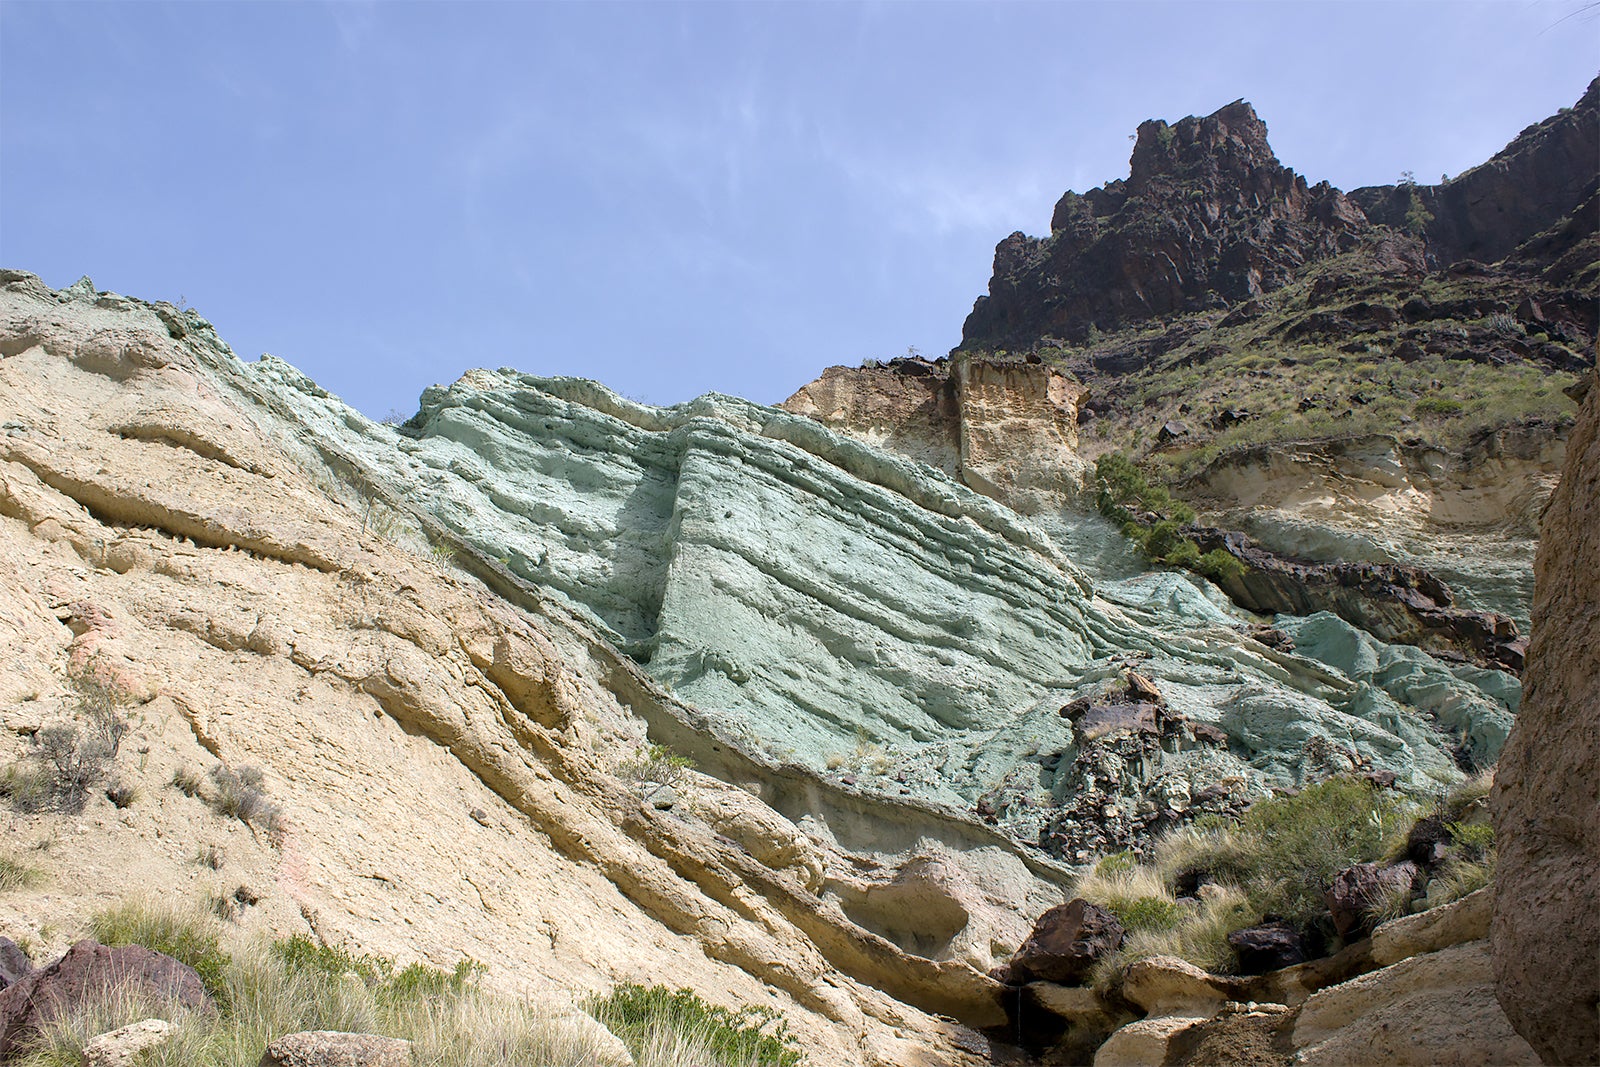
1219,565
655,763
1305,840
413,982
1438,405
754,1035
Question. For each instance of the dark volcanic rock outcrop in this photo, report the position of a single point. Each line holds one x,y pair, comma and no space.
1392,601
1209,219
90,973
1546,927
1206,218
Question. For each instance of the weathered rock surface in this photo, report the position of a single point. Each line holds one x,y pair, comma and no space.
1394,602
14,963
1529,186
1267,947
1434,1010
1546,801
1358,891
330,1048
481,621
446,749
123,1047
1438,928
90,972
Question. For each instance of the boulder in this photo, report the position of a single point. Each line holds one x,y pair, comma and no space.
89,972
332,1048
1144,1042
122,1048
1066,941
1357,890
14,963
1166,985
1546,799
1268,947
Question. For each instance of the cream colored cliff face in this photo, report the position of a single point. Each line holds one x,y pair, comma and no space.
1007,429
1471,518
445,755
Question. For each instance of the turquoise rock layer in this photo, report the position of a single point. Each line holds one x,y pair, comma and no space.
866,615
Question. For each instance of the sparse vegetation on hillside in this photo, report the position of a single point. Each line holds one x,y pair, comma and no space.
756,1036
1154,521
1277,861
267,989
68,760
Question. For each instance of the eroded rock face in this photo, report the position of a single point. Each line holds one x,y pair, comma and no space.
1007,429
1529,186
1546,803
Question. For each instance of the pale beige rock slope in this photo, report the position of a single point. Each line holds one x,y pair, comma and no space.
444,745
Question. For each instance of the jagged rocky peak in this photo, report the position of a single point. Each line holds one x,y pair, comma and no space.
1207,217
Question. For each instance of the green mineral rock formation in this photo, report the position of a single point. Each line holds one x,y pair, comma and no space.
866,616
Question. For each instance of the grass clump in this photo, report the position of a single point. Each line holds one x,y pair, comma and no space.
186,934
647,1017
1277,860
15,874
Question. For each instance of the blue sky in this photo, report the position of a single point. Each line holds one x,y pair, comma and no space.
673,198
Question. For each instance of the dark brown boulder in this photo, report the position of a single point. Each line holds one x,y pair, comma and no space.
1066,941
89,971
1546,800
14,963
1268,947
1358,890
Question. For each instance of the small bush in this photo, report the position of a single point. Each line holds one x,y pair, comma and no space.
187,780
1438,405
754,1035
70,760
241,795
1220,566
655,763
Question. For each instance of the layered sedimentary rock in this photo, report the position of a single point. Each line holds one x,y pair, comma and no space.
1547,792
896,691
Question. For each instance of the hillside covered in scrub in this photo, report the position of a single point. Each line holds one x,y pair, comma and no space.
1086,697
